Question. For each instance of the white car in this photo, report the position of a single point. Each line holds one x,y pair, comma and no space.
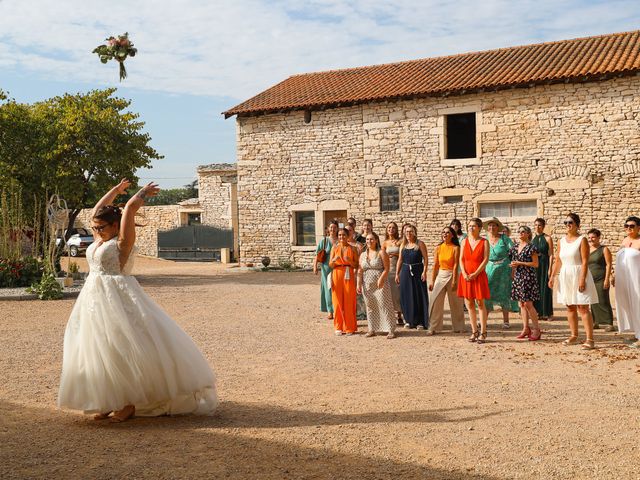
78,242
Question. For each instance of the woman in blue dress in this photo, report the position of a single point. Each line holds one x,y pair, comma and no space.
326,244
412,277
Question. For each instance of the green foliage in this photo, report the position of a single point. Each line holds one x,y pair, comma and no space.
171,196
73,267
286,264
20,273
77,146
47,288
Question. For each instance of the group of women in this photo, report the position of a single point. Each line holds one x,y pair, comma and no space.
478,273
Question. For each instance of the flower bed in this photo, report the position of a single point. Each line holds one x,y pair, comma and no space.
20,273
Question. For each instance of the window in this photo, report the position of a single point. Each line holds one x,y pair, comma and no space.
452,199
460,135
193,219
526,208
305,223
389,199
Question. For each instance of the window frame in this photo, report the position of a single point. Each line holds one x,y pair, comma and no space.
510,203
296,225
441,130
380,197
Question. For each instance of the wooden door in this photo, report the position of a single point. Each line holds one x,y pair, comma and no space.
340,215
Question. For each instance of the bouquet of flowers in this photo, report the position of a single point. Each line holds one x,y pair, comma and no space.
116,49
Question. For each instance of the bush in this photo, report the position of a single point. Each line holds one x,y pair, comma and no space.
47,289
20,273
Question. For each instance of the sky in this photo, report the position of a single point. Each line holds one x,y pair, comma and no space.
199,58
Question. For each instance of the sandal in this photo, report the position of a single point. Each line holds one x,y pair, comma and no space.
123,415
482,338
588,345
474,337
391,335
370,334
525,333
102,416
570,341
535,338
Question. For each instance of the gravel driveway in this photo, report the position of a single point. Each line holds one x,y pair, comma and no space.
298,402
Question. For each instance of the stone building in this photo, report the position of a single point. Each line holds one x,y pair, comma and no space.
215,206
521,132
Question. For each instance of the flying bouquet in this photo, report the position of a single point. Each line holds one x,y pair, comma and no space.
117,49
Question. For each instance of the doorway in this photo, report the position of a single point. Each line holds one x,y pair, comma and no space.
340,215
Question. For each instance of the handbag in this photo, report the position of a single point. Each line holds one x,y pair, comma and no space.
321,256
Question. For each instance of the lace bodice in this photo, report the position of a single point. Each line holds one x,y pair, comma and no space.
104,258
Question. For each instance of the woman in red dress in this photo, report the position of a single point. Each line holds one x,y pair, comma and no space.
473,285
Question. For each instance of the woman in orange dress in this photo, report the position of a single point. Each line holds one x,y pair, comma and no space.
344,262
473,285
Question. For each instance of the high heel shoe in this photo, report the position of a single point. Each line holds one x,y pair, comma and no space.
482,338
535,338
524,334
474,336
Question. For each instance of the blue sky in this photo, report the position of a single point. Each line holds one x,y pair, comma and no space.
197,59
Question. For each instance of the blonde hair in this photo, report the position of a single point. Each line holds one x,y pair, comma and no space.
405,227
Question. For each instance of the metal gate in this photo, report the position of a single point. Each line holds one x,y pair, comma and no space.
194,243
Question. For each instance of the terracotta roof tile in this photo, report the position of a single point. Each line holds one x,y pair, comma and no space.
580,59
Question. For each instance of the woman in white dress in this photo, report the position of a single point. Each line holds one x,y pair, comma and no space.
122,353
576,288
627,281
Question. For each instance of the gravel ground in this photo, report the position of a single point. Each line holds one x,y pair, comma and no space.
298,402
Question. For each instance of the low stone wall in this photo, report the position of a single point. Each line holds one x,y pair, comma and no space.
153,219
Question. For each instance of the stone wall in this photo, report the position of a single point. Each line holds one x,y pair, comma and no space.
570,147
153,219
214,193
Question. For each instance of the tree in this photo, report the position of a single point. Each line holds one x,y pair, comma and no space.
75,145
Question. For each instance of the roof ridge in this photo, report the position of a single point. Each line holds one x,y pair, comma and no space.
463,54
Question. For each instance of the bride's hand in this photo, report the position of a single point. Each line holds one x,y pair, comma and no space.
123,186
149,190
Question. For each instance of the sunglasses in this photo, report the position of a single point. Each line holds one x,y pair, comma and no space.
630,225
568,222
522,231
99,228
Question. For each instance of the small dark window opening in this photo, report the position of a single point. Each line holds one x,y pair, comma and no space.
307,116
389,199
461,135
453,199
305,228
194,219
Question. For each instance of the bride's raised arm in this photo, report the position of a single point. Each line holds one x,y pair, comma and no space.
127,234
111,195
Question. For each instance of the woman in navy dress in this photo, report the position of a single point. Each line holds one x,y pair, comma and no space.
412,276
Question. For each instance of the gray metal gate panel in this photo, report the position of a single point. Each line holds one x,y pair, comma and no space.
194,242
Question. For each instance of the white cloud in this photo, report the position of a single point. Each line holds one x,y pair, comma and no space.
238,48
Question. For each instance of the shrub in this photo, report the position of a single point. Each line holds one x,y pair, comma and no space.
20,273
73,267
47,288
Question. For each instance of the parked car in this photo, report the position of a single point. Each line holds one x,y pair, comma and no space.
78,242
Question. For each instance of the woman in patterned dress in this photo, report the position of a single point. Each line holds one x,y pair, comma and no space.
391,246
498,270
544,244
525,289
372,284
326,244
473,285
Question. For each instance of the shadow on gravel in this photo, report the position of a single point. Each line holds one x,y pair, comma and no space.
257,278
43,443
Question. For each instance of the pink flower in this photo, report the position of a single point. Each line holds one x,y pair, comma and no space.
112,42
124,42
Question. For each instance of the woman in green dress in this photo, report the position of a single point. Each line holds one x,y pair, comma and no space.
499,270
326,244
600,261
544,244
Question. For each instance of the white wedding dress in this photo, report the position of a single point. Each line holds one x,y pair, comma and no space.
121,348
628,290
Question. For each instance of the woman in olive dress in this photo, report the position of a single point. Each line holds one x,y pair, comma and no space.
544,244
600,262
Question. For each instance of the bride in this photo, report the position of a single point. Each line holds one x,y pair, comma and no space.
123,355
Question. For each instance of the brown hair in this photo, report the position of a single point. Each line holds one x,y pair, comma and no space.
110,214
386,234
